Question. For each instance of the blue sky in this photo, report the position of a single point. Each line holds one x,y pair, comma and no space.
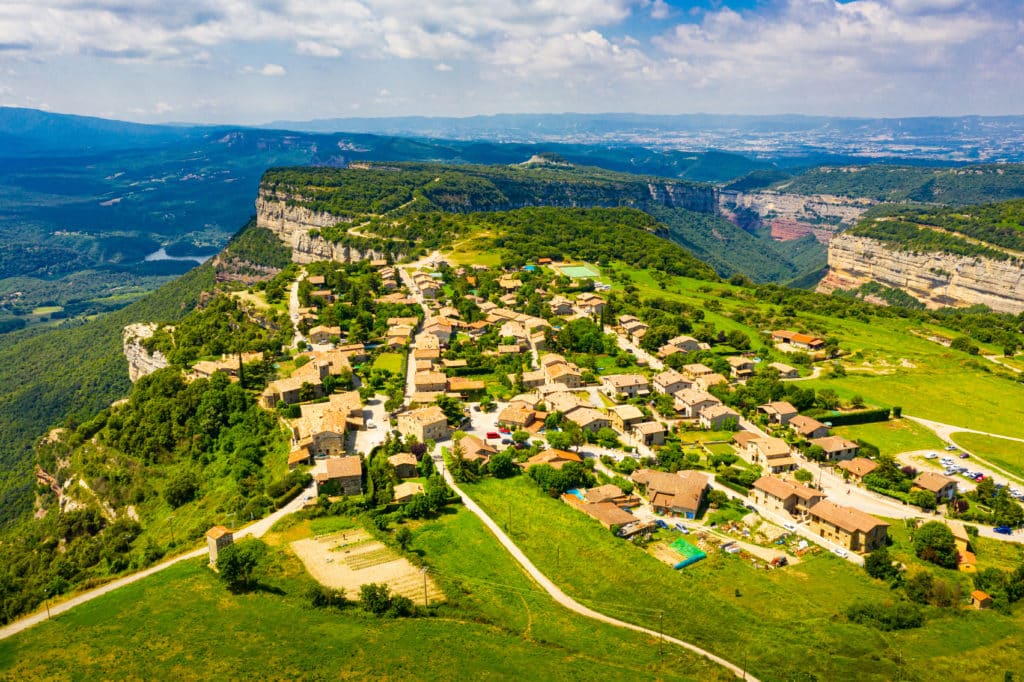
252,61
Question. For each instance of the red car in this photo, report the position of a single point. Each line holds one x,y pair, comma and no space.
492,434
504,429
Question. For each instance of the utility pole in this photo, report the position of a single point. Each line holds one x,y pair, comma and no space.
47,602
661,634
424,587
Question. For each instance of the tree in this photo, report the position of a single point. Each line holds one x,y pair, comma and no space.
181,489
857,401
240,564
403,536
559,440
502,466
923,499
607,437
919,586
827,399
879,565
803,475
519,436
934,542
815,453
716,498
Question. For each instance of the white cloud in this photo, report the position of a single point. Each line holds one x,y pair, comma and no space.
660,9
442,67
266,70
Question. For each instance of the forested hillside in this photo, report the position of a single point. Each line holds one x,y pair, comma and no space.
952,186
973,231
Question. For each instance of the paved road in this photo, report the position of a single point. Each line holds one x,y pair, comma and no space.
255,530
568,602
946,431
293,307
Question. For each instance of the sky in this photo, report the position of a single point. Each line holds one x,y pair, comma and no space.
255,61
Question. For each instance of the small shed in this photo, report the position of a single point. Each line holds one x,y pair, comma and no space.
217,538
980,600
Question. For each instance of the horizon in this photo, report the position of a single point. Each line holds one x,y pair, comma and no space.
252,62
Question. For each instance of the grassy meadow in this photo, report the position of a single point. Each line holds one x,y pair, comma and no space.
182,623
1006,454
785,623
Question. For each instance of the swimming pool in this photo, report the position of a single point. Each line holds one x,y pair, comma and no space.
577,492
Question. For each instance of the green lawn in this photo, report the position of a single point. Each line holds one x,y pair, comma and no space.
784,623
892,437
182,623
392,362
1006,454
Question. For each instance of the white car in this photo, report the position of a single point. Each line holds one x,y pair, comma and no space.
791,527
838,551
932,455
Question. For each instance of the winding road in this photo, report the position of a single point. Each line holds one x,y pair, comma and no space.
565,600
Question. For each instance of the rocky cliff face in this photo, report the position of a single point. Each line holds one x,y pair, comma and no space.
792,216
935,279
140,361
292,224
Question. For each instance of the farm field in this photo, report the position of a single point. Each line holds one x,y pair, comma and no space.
893,436
499,625
726,605
1006,454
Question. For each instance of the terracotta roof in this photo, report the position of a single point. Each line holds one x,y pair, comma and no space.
608,514
217,532
343,467
778,407
649,428
624,380
403,458
931,481
627,412
834,443
804,424
427,415
859,466
555,458
845,518
978,595
782,490
603,493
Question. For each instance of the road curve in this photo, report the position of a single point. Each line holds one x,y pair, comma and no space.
256,530
568,602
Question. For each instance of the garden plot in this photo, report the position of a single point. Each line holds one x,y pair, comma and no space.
348,559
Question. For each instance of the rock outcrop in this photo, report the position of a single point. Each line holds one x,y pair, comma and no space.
792,216
935,279
292,223
140,361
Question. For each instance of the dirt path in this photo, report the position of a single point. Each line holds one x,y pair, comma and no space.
255,530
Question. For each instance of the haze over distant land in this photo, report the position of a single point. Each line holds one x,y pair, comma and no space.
252,62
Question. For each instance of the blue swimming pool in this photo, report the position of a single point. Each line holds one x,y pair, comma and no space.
577,492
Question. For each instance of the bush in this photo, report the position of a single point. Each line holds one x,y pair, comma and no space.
878,564
862,417
378,600
934,542
887,617
240,564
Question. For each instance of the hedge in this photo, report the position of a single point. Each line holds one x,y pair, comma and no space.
862,417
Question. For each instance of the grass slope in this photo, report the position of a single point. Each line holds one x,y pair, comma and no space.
497,624
784,624
1006,454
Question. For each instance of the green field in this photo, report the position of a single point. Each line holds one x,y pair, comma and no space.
1005,454
47,310
579,271
892,437
391,362
784,623
182,623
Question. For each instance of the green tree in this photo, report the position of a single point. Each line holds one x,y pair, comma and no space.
502,466
403,536
934,542
879,565
803,475
923,498
240,564
519,437
919,586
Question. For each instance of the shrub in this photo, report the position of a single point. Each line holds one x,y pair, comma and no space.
934,542
887,617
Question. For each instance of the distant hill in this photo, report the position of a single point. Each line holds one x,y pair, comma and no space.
952,186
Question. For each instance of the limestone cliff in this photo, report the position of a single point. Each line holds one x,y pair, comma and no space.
935,279
140,361
292,224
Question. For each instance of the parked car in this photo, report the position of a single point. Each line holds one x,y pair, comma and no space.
506,441
660,524
1003,530
504,429
931,455
493,434
789,526
838,551
964,455
951,447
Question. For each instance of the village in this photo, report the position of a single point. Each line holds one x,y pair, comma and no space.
471,369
